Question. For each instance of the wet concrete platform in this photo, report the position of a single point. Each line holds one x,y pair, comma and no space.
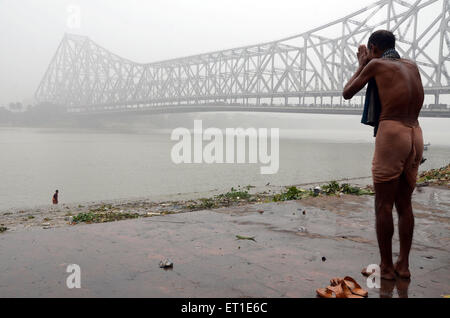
294,252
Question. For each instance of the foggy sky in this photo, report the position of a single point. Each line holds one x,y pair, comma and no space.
146,31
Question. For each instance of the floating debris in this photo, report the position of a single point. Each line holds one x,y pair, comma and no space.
166,264
248,238
153,213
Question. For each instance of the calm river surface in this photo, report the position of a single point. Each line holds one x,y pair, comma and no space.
130,157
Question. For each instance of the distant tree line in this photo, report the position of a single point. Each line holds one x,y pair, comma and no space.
17,113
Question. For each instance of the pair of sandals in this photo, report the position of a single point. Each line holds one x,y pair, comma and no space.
345,287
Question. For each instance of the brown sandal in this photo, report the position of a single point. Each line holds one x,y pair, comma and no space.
331,292
348,293
355,287
349,284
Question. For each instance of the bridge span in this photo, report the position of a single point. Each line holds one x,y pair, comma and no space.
304,70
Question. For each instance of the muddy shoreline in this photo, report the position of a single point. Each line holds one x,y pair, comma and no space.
63,214
55,216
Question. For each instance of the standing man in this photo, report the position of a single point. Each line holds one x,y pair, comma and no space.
398,145
55,197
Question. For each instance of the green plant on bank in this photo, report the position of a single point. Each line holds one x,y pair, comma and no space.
221,200
293,193
331,188
207,203
234,194
99,217
334,188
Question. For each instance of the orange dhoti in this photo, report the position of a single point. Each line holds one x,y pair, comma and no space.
398,150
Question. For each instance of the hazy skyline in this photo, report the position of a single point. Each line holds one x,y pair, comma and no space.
146,31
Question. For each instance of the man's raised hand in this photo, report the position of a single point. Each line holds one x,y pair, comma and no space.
363,55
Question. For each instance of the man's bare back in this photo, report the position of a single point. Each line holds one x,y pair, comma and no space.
400,89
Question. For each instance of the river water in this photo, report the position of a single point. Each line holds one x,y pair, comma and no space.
131,157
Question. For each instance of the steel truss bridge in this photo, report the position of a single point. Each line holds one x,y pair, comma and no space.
308,69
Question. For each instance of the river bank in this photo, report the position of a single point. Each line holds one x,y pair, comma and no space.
53,216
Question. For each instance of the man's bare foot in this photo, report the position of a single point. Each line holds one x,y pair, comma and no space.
387,288
402,287
386,273
402,270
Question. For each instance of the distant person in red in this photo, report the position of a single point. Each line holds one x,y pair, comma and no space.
55,197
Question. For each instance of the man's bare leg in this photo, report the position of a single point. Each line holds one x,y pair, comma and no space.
385,194
405,226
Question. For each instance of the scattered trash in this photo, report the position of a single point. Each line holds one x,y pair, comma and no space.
261,211
302,229
3,229
166,263
439,176
240,237
304,212
317,190
153,213
324,259
46,225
